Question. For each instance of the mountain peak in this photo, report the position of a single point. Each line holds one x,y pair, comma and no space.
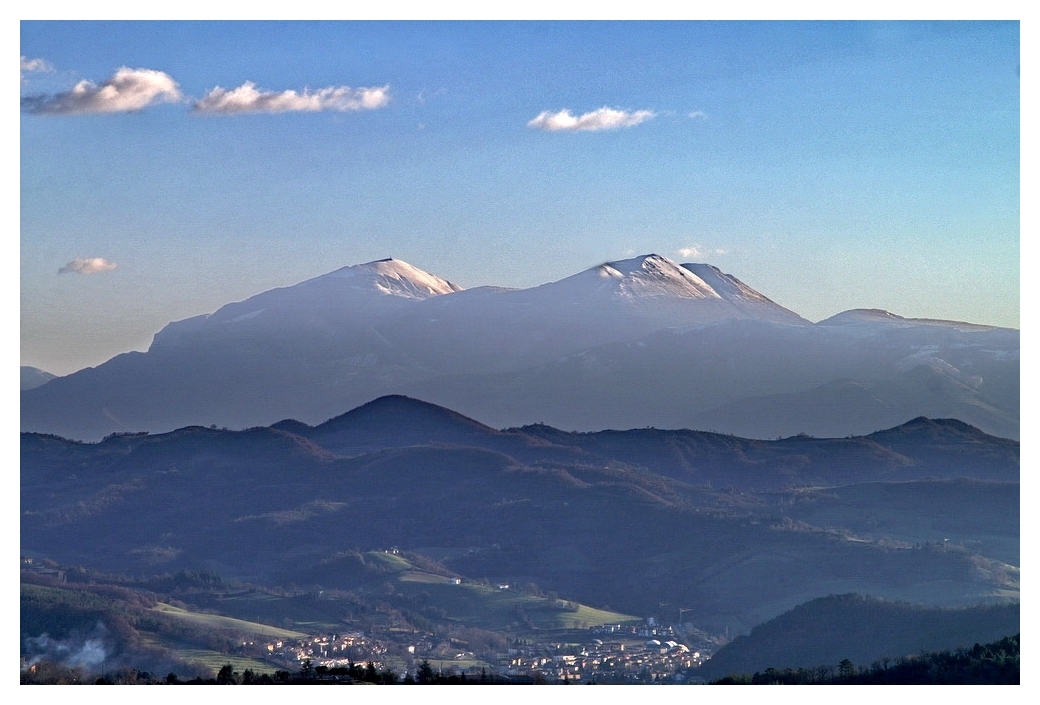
644,276
861,315
701,292
651,263
923,427
396,419
868,319
393,277
392,409
326,300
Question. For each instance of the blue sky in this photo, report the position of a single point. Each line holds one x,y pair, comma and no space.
169,168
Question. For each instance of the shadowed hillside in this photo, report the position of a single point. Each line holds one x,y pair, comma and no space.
860,629
600,518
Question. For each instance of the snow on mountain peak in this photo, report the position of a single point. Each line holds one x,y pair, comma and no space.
385,282
649,275
725,285
662,289
393,277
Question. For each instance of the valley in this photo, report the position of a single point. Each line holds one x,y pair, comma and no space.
530,351
373,453
481,548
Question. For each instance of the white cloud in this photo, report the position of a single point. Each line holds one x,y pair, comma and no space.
35,66
698,252
87,265
127,90
698,115
247,99
603,119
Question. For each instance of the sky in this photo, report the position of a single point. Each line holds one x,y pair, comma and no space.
168,168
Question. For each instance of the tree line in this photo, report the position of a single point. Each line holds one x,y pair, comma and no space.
996,663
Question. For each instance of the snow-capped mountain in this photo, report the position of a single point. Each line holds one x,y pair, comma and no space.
655,285
345,296
639,277
630,343
493,330
727,286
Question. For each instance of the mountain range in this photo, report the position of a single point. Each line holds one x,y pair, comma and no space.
732,530
633,343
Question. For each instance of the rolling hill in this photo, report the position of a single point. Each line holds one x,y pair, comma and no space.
735,531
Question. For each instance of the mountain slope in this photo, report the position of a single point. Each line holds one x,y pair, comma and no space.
629,343
588,516
397,421
32,377
862,629
757,379
347,296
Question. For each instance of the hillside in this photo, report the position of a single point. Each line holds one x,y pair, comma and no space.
861,629
737,530
192,624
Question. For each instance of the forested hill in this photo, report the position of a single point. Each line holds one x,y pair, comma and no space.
996,663
863,630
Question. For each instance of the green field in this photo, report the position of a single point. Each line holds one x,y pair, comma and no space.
215,661
469,604
216,621
385,592
490,608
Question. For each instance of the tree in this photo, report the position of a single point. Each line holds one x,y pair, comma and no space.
424,674
226,675
371,675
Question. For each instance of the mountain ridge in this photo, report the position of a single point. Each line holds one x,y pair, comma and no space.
629,519
624,343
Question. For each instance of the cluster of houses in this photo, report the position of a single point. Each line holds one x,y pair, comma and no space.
620,661
643,653
330,650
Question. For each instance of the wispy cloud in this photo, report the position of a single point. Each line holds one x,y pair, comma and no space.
126,91
603,119
697,251
87,265
35,66
247,99
425,94
697,115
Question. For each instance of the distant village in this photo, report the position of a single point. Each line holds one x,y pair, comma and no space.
647,652
631,652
